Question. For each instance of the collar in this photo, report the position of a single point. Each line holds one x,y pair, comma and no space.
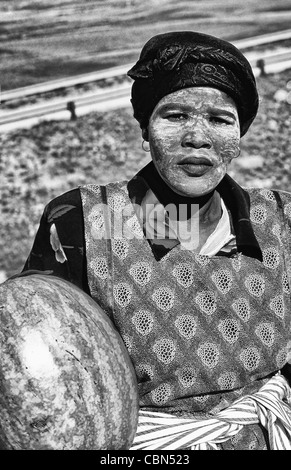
236,199
221,236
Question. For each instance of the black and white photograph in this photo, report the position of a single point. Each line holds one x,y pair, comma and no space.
145,227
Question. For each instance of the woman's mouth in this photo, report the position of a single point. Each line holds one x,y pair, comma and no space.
195,166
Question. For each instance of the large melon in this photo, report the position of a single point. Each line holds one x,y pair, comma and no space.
66,379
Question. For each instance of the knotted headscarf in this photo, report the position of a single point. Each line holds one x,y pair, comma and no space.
171,61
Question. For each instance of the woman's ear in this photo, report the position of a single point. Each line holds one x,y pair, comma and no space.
145,134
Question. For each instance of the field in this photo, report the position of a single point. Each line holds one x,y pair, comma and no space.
39,163
41,40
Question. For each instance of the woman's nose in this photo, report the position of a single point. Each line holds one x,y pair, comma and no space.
196,138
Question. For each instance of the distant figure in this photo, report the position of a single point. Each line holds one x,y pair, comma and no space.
261,66
72,108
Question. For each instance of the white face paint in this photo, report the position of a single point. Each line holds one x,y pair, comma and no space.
194,134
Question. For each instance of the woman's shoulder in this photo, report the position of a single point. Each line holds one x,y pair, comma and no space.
271,202
268,194
70,195
284,195
63,203
72,200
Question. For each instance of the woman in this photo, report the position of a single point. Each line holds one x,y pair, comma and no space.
192,269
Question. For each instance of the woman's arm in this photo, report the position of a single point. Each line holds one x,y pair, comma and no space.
59,244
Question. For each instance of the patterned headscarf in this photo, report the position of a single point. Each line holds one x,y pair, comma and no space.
171,61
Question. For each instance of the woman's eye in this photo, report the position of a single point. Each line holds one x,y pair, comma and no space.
175,116
219,120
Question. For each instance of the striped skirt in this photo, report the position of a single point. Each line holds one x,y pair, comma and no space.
270,407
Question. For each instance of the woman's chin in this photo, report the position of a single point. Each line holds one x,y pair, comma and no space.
195,189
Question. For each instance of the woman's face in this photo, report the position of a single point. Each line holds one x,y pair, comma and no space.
194,134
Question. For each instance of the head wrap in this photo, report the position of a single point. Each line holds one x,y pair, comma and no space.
171,61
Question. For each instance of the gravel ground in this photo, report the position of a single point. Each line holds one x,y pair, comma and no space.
40,163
